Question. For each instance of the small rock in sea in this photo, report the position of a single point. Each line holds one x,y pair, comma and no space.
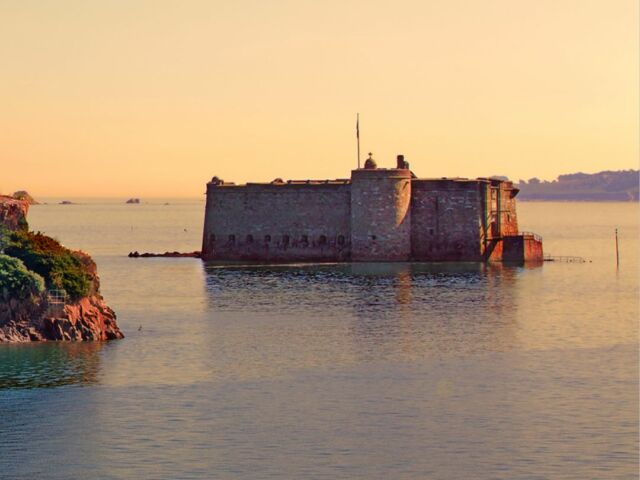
195,254
133,200
66,202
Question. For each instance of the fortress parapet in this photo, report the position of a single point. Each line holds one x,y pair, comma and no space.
377,215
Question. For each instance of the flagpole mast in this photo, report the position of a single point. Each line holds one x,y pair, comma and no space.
358,136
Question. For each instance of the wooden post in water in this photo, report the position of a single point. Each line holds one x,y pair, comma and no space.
617,251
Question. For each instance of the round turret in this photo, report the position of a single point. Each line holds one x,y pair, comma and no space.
380,214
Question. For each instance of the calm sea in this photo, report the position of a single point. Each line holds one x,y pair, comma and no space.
393,371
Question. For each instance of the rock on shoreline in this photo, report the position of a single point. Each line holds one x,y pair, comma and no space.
24,195
89,319
195,254
13,213
28,311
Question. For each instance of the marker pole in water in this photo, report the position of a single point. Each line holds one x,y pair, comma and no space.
617,252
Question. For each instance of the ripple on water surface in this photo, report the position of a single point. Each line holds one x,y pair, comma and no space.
334,371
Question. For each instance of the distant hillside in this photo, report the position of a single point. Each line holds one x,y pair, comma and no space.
603,186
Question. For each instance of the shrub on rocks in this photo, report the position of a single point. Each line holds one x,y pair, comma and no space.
59,266
18,282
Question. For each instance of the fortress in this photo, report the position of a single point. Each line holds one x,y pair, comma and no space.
378,215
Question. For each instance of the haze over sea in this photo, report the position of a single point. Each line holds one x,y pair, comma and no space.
334,371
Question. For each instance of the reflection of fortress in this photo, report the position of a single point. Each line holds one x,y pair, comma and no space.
377,215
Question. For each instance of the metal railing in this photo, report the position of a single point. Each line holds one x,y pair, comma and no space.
56,300
525,234
531,234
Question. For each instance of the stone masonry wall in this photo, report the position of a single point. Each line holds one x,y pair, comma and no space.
508,216
278,222
381,215
522,248
502,219
446,220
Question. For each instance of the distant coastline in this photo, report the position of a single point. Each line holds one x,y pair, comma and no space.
605,186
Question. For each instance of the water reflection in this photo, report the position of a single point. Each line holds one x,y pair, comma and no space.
49,364
367,288
323,314
416,310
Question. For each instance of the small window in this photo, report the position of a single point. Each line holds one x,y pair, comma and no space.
340,239
285,240
249,238
431,231
373,237
322,240
267,238
232,239
304,239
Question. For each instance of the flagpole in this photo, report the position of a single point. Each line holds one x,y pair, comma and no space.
358,136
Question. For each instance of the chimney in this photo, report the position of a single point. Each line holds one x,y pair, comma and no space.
401,163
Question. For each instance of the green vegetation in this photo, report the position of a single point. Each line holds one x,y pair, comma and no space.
23,225
24,195
5,234
59,266
17,281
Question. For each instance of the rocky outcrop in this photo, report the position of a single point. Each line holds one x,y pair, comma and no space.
13,213
24,195
89,319
136,254
34,314
20,319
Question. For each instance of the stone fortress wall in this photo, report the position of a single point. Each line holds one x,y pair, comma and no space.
278,221
381,214
447,219
377,215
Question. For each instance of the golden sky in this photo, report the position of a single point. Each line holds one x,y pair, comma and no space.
153,98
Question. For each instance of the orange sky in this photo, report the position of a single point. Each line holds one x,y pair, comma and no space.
153,98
